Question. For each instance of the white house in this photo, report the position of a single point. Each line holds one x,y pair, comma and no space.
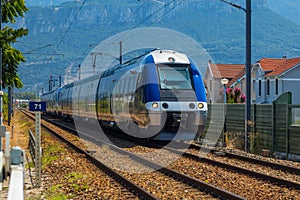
273,77
214,74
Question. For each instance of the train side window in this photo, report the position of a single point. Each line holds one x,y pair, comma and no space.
124,87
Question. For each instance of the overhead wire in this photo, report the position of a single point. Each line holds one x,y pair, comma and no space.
165,5
130,16
52,44
124,22
31,51
165,13
69,27
118,28
68,17
148,17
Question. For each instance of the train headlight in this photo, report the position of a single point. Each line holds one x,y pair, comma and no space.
200,105
155,105
192,105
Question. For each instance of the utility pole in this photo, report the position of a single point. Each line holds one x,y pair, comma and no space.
248,74
121,53
1,92
2,128
247,10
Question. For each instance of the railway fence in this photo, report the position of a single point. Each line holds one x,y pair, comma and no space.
275,128
36,155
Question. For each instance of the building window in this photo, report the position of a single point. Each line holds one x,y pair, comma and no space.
268,87
259,88
276,86
210,86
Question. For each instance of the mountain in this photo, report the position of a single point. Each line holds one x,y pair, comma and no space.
44,3
289,9
61,36
286,8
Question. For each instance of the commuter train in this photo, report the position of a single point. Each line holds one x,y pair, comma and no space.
157,95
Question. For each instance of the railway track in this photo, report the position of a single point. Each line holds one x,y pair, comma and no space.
241,181
265,167
162,183
250,184
273,172
129,189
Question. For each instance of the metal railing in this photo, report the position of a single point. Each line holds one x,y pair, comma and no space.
36,157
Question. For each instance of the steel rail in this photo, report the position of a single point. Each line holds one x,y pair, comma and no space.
275,180
253,160
218,192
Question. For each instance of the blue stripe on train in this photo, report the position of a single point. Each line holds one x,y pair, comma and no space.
199,85
150,80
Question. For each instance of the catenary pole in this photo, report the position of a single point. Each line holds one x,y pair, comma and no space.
247,10
2,128
248,74
1,92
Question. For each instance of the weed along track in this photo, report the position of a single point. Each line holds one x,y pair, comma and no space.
70,174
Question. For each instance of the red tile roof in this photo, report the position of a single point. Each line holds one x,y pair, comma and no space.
237,77
228,71
233,72
269,64
284,66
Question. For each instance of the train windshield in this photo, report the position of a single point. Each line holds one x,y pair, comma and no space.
174,77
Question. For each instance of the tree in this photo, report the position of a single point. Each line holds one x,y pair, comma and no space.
11,57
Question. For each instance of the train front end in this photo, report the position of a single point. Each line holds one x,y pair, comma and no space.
173,95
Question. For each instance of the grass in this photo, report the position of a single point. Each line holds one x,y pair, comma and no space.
54,193
74,178
50,154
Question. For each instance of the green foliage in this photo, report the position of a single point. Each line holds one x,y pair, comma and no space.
74,179
13,9
255,146
5,107
54,193
50,154
11,56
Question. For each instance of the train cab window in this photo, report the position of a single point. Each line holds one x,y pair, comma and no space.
174,77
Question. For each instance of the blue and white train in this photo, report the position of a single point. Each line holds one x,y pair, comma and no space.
158,95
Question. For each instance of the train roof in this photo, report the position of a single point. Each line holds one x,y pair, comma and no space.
159,56
169,56
133,57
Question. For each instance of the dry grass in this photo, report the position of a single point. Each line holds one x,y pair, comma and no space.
20,134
